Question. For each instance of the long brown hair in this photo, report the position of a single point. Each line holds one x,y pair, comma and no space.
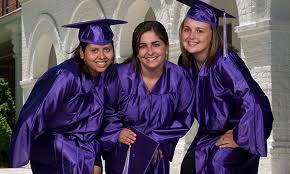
216,45
142,28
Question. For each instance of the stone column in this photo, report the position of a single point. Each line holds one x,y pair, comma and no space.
265,49
15,28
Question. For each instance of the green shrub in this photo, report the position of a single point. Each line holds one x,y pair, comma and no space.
7,120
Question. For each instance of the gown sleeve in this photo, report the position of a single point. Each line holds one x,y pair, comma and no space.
251,107
48,92
183,116
112,123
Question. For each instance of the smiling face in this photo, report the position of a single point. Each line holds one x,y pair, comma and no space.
97,57
196,38
151,51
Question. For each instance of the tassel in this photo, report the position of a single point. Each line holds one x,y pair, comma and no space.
127,162
225,39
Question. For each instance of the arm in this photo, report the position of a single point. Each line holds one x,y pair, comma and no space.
252,107
112,123
42,103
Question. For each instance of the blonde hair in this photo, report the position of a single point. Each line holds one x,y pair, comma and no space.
216,45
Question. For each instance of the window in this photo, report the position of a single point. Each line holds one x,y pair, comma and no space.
17,4
5,7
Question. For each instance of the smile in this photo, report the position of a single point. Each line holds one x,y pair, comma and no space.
151,58
192,43
101,62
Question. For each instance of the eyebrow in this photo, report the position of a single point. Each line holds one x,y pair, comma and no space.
186,26
154,42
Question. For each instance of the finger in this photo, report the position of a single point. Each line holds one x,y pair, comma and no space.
229,131
220,142
131,137
227,146
132,133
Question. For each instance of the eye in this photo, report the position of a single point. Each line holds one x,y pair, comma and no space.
198,30
141,46
107,49
95,50
186,29
155,44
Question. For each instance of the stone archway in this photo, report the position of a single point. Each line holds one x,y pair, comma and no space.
139,16
84,11
44,36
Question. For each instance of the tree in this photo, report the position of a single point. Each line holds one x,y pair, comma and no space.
7,120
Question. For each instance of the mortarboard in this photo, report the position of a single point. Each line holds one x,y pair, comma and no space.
204,12
96,32
133,159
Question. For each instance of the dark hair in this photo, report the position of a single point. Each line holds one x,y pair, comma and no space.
142,28
76,55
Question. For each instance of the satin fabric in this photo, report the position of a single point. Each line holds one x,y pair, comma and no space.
60,121
165,114
227,97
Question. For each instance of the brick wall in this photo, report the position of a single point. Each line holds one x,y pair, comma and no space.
11,4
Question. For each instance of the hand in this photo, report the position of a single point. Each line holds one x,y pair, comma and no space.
97,170
157,155
127,136
227,140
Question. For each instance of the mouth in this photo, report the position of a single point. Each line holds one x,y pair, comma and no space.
192,43
151,58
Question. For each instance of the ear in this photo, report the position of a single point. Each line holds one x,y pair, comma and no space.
82,54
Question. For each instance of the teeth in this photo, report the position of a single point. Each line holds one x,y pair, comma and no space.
151,58
192,43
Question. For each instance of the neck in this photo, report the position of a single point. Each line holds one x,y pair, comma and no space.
200,59
94,74
151,76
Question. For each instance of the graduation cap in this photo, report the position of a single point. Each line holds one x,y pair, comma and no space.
204,12
96,32
135,158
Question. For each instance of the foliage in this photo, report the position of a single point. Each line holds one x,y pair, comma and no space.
7,120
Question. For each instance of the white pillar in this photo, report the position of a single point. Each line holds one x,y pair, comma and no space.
265,49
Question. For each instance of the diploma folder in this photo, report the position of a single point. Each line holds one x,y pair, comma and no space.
139,156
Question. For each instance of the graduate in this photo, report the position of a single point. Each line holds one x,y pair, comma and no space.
233,112
60,122
151,95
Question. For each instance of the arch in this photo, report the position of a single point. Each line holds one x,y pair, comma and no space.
52,57
85,10
140,15
230,7
44,35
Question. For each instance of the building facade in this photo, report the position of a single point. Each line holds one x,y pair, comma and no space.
10,46
261,32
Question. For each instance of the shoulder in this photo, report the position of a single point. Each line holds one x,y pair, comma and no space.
177,74
175,70
67,71
231,61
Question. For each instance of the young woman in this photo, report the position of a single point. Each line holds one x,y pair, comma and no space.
59,124
151,95
234,114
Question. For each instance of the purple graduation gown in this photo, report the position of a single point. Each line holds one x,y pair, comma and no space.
60,121
227,97
165,114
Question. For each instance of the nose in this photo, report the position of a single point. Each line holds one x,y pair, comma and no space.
101,55
150,50
192,34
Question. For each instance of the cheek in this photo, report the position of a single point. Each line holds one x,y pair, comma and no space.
184,36
110,56
140,53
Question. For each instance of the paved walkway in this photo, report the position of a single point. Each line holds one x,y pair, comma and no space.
15,171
